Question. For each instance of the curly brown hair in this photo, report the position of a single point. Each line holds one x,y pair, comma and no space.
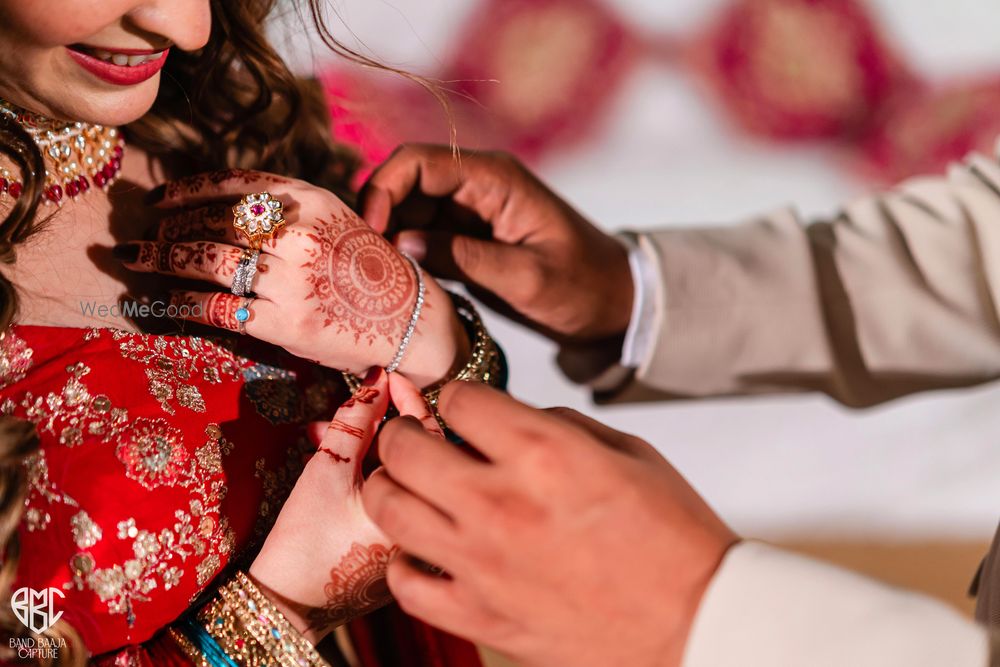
232,104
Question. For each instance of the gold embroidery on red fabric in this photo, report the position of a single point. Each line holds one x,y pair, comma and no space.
86,533
15,358
158,559
174,364
41,490
70,412
152,451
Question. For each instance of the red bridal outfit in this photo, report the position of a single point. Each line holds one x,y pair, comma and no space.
164,459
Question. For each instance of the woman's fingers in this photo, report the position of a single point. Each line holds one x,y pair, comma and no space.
353,426
410,402
205,223
201,260
218,309
227,185
208,223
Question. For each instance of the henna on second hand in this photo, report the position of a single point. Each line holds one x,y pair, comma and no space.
357,586
337,458
365,395
362,285
192,185
343,427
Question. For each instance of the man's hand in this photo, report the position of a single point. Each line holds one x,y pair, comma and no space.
485,220
566,543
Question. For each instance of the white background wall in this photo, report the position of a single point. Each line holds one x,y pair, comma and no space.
921,467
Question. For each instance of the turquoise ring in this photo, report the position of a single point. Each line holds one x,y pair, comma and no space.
242,315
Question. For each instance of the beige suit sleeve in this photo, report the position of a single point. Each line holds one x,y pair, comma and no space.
770,608
896,294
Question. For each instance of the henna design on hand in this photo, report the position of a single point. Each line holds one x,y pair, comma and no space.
344,427
208,257
221,310
204,256
210,222
362,284
191,185
335,456
365,395
149,256
356,587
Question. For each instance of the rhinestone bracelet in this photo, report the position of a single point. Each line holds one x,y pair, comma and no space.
414,317
485,363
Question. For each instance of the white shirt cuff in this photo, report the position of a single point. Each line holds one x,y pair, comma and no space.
768,608
640,337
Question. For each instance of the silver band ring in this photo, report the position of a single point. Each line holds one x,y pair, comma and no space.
245,272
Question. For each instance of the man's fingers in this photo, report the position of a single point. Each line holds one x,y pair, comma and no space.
515,273
435,600
478,182
430,467
353,426
411,403
416,526
496,424
412,169
623,442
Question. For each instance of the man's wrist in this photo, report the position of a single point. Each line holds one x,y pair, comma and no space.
640,335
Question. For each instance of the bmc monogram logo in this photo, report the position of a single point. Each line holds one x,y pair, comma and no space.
36,609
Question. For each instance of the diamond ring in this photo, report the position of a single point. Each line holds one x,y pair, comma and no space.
258,217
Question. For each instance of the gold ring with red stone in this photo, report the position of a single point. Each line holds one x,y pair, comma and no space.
258,217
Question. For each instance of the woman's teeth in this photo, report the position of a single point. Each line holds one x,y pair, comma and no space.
123,60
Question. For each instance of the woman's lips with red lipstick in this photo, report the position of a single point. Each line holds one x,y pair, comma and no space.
123,67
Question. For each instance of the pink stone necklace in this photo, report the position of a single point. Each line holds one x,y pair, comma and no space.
76,155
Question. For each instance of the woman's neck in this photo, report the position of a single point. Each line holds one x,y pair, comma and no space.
65,271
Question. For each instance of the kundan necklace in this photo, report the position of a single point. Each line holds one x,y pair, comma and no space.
77,155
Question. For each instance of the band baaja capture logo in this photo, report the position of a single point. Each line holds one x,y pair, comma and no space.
36,610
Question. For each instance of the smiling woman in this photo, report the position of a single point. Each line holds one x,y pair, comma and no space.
159,473
124,67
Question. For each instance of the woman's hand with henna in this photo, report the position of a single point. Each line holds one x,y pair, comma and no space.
324,561
327,287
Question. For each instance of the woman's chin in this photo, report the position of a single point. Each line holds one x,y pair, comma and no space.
118,108
101,106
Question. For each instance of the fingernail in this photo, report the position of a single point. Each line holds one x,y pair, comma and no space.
373,375
126,252
155,195
413,245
